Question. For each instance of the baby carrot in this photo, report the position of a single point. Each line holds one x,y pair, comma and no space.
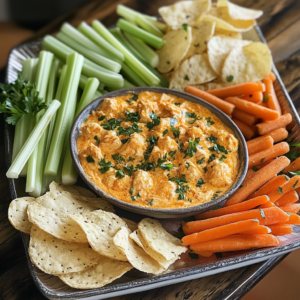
255,97
270,95
281,229
227,108
288,198
265,216
266,127
294,219
261,145
244,117
277,150
272,76
237,242
246,130
219,232
292,184
250,175
270,186
254,109
277,135
260,178
238,90
265,163
267,205
260,229
291,208
243,206
294,166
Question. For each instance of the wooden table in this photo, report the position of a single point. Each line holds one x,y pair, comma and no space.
280,25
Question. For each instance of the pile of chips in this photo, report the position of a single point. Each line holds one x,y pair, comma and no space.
204,45
76,236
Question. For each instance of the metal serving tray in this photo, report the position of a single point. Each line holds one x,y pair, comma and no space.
134,281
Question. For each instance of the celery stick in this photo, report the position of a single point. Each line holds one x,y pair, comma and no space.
93,56
90,33
145,36
83,80
132,76
29,67
143,49
36,160
161,26
127,84
32,141
68,103
148,26
98,94
89,68
129,14
136,65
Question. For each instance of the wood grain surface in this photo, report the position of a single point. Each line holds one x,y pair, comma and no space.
280,25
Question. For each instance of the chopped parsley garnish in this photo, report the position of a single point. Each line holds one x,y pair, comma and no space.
186,77
119,159
150,202
266,98
219,255
205,169
212,139
216,195
134,198
131,158
262,213
218,148
172,153
192,116
89,159
146,155
190,200
129,169
180,146
155,121
187,165
294,185
131,191
223,157
176,132
200,161
132,117
262,160
179,234
209,121
181,188
197,45
177,103
105,165
212,157
229,78
85,120
279,189
111,124
185,26
101,118
152,141
255,169
119,174
146,166
133,98
124,141
168,62
200,182
192,148
129,130
193,255
97,139
165,132
161,163
292,155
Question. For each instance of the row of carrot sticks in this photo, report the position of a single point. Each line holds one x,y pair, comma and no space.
265,205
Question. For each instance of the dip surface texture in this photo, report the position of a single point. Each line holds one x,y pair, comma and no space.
158,150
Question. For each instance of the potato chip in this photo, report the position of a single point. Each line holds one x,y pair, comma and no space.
238,12
159,239
201,34
17,214
55,256
250,63
50,213
219,48
194,70
136,255
100,227
104,273
73,189
184,12
168,57
232,34
130,224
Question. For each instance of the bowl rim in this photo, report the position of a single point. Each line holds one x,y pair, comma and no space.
171,212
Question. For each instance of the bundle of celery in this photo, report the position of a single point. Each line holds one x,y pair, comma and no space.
87,61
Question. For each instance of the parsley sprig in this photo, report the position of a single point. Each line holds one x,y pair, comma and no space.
155,121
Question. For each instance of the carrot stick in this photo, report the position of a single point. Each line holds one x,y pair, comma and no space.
292,184
294,166
281,229
265,163
205,253
260,229
259,146
246,130
237,242
266,127
219,232
250,175
272,76
261,177
270,95
265,216
255,97
238,90
288,198
244,117
253,109
294,219
267,205
246,205
277,135
277,150
270,186
227,108
291,208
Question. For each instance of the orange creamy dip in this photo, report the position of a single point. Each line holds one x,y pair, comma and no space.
158,150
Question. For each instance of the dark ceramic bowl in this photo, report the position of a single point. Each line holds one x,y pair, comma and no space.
152,212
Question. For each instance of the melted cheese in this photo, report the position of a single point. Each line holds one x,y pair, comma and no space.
141,165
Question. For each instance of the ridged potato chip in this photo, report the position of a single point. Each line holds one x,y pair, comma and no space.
176,46
194,70
106,271
249,63
55,256
219,48
17,214
73,189
184,12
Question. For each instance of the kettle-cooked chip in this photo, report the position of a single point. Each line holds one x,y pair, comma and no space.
184,12
73,189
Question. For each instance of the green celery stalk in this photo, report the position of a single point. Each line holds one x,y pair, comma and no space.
89,68
32,141
161,26
91,34
65,114
143,49
128,73
145,36
83,80
103,92
29,67
93,56
127,84
98,94
148,26
36,161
